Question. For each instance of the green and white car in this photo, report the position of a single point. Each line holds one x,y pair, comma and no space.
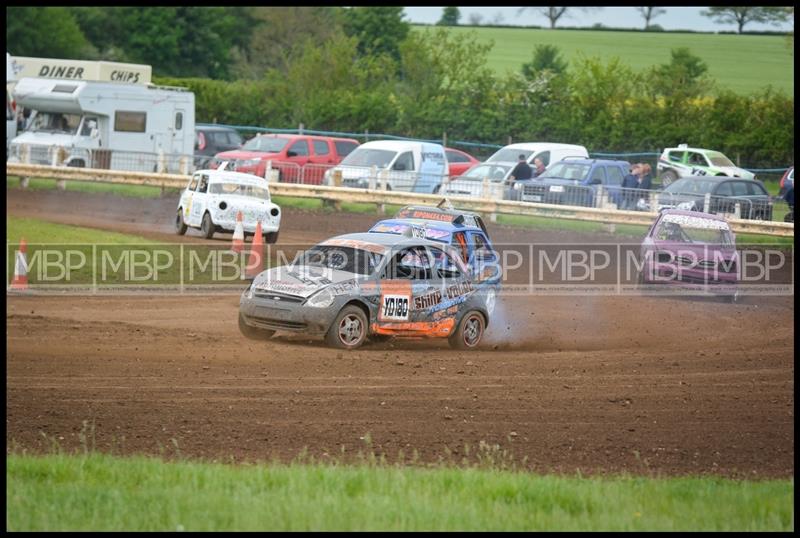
684,161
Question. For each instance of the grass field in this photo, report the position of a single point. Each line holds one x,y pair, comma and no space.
97,492
742,63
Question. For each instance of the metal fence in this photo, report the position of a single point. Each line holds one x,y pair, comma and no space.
596,196
101,159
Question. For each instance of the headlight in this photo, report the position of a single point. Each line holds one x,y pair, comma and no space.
517,186
248,293
249,162
321,299
326,177
685,205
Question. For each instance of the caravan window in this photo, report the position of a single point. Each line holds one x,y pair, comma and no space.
55,122
130,122
179,121
89,122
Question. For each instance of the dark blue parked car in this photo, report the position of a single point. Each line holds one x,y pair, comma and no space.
572,181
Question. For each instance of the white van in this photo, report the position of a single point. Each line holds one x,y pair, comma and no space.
397,165
110,125
548,152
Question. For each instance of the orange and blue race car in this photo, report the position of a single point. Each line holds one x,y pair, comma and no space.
463,231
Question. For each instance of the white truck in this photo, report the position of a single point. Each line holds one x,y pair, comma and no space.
111,125
397,165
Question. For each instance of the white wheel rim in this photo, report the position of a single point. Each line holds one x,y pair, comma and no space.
472,331
350,329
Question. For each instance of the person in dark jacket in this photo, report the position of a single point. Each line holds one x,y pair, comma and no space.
645,176
521,171
630,181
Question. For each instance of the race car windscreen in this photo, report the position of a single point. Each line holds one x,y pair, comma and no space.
564,170
718,159
349,259
239,190
265,144
510,155
695,230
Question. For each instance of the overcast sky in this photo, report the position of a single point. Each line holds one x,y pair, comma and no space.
675,18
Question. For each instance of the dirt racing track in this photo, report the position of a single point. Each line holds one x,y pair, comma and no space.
608,384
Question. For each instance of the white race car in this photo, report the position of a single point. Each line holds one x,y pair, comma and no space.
213,198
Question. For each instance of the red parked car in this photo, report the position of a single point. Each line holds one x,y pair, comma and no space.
459,161
290,155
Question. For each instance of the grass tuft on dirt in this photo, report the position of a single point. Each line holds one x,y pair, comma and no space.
95,492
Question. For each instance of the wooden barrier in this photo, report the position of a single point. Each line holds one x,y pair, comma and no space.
380,196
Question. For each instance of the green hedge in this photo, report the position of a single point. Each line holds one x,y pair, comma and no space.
443,85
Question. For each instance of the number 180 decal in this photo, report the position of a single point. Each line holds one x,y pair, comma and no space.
394,307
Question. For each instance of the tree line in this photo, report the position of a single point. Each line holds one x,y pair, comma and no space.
362,69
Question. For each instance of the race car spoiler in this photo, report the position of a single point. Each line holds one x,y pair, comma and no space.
439,214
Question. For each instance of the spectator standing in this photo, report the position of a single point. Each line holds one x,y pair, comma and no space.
629,182
521,171
646,176
537,162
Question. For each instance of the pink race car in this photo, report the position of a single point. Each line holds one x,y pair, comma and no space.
691,251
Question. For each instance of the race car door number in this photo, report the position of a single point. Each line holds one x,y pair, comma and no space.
394,307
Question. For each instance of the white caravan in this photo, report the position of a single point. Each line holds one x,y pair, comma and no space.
548,152
110,125
398,165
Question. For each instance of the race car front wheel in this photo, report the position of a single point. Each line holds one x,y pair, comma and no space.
349,329
469,332
271,237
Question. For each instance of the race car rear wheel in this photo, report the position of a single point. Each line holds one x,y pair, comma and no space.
469,332
254,333
271,237
349,329
180,225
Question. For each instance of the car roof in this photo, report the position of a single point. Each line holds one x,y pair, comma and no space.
386,240
719,178
699,150
296,136
691,214
219,176
427,213
395,145
584,160
541,145
436,225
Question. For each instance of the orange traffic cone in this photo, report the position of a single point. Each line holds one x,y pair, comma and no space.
255,264
238,234
20,281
